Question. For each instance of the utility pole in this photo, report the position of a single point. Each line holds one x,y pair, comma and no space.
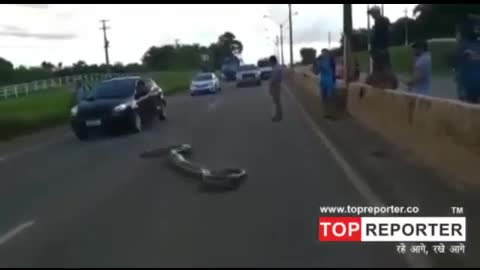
281,43
406,27
291,37
329,39
105,40
347,33
177,42
383,10
277,42
368,38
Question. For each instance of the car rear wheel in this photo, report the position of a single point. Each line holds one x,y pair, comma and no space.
259,82
81,134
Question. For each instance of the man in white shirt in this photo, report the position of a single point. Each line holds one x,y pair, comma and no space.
422,76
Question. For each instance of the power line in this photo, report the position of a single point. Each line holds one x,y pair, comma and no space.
105,40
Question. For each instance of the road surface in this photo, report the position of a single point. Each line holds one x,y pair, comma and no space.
442,86
66,203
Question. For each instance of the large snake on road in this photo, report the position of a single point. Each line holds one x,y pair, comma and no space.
228,178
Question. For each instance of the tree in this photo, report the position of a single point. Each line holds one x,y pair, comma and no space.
181,57
118,68
440,20
231,45
6,71
359,40
47,66
397,31
308,55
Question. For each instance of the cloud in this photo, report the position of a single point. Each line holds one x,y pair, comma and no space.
13,28
40,6
15,31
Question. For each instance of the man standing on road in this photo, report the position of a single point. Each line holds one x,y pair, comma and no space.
275,88
422,75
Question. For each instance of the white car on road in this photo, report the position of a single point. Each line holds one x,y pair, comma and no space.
248,74
204,83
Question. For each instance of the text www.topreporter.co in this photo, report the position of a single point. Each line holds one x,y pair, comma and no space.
369,210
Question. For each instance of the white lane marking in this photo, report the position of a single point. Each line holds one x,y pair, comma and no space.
214,104
32,148
15,231
354,178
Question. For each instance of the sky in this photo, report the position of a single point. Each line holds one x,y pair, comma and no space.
32,33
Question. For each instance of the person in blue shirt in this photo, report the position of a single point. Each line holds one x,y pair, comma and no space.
326,75
323,67
334,68
467,61
421,81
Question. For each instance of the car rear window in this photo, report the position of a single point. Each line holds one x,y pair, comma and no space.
247,67
203,77
114,89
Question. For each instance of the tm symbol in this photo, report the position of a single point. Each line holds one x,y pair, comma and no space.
457,210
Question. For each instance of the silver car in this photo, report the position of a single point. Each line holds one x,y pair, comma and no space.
248,75
204,83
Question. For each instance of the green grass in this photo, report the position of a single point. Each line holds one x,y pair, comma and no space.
172,82
31,113
402,58
51,107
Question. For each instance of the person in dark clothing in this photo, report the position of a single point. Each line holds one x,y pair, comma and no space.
379,42
467,60
275,88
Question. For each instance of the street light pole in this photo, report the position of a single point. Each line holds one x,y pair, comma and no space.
291,37
277,41
281,44
281,35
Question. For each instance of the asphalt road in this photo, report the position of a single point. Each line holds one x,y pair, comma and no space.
442,86
86,204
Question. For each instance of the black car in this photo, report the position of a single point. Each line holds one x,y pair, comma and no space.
125,102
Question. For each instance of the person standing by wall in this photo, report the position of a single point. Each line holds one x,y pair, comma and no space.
324,68
380,40
275,88
382,74
467,60
422,73
334,67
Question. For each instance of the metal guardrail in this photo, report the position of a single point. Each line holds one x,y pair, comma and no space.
25,89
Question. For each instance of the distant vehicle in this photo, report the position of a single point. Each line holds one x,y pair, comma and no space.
229,68
248,75
204,83
265,68
119,103
265,72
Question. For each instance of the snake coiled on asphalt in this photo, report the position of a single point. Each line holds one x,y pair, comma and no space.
228,178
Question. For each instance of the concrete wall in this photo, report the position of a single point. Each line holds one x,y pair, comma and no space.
445,134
